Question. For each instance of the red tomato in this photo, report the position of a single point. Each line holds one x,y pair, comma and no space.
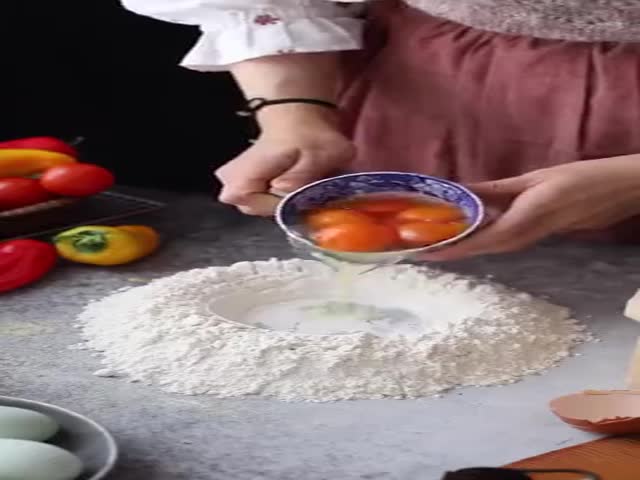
77,179
379,206
420,234
437,212
356,237
325,217
21,192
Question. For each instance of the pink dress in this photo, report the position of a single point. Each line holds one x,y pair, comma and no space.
436,97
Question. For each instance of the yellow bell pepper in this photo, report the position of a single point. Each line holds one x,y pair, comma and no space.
147,236
18,162
102,245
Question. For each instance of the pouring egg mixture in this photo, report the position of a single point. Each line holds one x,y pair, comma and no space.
383,222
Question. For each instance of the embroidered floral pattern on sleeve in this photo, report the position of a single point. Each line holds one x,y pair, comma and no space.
266,19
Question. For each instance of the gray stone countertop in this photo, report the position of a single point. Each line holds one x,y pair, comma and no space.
168,437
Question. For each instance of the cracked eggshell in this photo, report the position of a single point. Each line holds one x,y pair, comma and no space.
605,412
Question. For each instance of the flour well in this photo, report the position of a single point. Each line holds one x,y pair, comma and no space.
405,332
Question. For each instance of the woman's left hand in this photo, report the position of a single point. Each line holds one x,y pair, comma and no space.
579,196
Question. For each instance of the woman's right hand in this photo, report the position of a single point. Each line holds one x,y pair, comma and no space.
299,144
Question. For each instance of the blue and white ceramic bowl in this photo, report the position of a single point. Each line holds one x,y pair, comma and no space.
289,214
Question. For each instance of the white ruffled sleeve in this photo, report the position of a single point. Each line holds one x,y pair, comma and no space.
237,30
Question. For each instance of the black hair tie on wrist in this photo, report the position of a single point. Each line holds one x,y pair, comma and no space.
254,105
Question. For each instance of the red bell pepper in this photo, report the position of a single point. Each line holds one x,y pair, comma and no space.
49,144
24,261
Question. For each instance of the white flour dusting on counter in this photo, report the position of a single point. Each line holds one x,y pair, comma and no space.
397,332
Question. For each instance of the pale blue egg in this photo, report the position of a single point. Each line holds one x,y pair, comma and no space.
27,460
22,424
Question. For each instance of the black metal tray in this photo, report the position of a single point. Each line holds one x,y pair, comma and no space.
101,208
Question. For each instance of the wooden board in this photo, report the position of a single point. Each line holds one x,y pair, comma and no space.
612,458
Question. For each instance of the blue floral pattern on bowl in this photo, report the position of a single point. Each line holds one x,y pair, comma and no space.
320,193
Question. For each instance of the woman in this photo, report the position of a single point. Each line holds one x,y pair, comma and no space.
511,96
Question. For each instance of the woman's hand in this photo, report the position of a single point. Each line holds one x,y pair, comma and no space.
300,143
283,159
579,196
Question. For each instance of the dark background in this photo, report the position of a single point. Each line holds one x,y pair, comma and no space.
90,68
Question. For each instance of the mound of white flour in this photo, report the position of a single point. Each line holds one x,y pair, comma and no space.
455,331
